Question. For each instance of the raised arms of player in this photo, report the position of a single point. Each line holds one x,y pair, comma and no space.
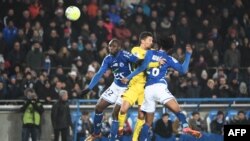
181,68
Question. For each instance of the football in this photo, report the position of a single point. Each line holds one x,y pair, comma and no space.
72,13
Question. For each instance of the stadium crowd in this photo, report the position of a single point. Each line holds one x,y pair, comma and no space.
43,50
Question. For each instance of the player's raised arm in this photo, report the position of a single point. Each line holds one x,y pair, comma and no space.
97,76
182,68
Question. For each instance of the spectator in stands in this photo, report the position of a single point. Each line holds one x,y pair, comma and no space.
245,51
243,90
10,34
163,127
223,88
28,81
16,55
92,9
220,72
32,111
240,119
85,126
121,31
166,28
3,92
200,65
14,89
60,117
137,25
197,122
193,90
183,30
34,9
64,57
218,123
39,86
232,56
209,90
211,54
35,57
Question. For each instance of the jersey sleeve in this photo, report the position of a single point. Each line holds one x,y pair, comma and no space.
144,65
182,68
99,74
130,56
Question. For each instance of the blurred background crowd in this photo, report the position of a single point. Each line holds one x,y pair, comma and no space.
41,49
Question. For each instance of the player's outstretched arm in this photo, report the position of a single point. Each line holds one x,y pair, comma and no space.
96,78
183,68
186,62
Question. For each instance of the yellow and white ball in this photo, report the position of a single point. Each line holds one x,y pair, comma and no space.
72,13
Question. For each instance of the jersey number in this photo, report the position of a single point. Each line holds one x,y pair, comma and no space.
109,92
155,71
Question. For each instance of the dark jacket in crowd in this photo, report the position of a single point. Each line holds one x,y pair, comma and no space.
162,129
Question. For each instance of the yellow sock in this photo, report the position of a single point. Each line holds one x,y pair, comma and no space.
121,119
137,129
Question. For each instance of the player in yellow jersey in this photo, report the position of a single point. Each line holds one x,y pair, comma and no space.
135,91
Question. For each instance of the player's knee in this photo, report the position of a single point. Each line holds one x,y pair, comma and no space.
99,109
123,110
115,115
141,116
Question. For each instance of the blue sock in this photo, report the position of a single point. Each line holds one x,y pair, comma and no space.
114,130
182,119
144,135
97,122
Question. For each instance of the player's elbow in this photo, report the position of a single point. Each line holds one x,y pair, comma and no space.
183,71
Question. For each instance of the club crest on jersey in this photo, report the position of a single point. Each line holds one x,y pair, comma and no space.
121,64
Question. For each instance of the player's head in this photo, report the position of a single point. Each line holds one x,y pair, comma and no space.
114,46
165,43
146,40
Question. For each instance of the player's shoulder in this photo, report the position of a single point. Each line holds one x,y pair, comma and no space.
125,52
108,58
136,49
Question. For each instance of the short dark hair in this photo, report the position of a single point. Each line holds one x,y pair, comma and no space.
195,113
144,35
166,43
220,113
241,112
165,114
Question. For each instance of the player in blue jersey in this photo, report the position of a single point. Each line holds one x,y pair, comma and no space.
119,62
156,88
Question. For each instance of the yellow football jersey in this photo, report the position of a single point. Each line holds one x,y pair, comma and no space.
140,53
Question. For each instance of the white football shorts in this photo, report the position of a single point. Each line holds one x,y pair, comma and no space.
153,94
113,94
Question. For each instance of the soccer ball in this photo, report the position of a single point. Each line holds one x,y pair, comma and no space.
72,13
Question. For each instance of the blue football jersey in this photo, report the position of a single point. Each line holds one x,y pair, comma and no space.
120,66
157,75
